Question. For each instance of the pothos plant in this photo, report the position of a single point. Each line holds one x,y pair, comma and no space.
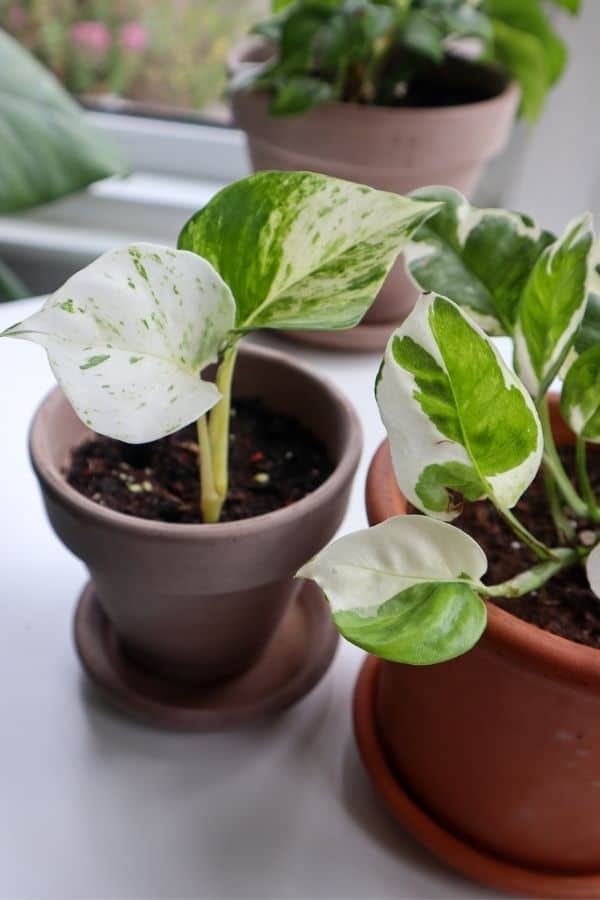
129,336
371,51
463,426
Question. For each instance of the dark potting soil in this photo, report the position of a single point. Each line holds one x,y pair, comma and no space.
565,605
274,461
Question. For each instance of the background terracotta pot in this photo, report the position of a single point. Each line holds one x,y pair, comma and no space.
393,149
500,747
201,602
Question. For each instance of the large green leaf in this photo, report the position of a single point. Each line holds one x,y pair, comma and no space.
479,258
459,421
553,304
405,590
580,397
301,250
128,336
47,148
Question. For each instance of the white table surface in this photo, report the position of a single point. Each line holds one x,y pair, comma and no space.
96,806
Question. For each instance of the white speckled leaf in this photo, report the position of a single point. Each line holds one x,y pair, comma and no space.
405,590
460,423
128,336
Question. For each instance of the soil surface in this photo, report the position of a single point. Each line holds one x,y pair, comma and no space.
274,461
565,605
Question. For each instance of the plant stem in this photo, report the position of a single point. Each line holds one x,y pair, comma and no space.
553,463
219,423
564,530
533,578
209,499
584,480
538,547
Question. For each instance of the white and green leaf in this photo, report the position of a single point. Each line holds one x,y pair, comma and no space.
128,336
479,258
302,250
405,590
460,423
553,304
580,397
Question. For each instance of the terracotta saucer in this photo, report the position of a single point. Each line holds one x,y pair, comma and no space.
366,337
296,659
456,852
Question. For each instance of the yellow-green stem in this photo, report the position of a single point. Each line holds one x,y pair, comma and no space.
210,501
584,480
533,578
554,466
219,423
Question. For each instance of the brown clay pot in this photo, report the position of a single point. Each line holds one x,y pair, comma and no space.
393,149
493,759
201,602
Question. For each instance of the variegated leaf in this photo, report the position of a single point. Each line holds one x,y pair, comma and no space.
479,258
405,590
553,304
302,250
459,421
580,398
128,336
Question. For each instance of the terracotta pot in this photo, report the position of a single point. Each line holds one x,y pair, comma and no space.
393,149
500,748
201,602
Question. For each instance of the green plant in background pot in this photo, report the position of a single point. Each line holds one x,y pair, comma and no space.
463,428
47,149
383,93
195,599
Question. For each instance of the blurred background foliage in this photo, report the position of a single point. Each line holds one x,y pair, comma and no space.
163,55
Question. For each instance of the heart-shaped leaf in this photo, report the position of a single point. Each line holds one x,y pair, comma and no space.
479,258
128,336
459,421
553,304
301,250
405,590
580,398
48,147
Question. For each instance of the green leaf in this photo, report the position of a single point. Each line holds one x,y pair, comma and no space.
11,286
580,397
479,258
48,149
405,590
423,36
589,330
553,305
459,421
301,250
528,17
523,57
128,336
572,6
278,5
297,94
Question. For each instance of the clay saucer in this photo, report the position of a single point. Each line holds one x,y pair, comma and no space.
466,858
297,657
367,337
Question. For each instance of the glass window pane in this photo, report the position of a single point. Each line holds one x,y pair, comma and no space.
155,56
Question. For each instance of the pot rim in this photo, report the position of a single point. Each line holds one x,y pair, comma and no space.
55,482
575,662
238,55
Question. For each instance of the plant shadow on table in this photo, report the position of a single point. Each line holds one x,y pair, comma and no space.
368,811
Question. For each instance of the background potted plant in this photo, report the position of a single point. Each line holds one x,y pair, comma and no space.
191,621
382,93
492,757
48,149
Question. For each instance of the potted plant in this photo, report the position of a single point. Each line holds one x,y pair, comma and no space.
192,618
490,757
382,92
